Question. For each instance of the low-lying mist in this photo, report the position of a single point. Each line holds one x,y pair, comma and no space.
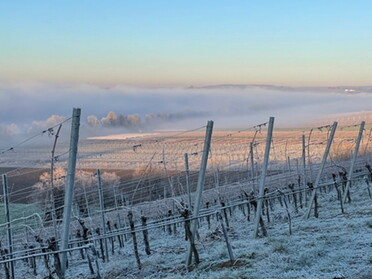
29,108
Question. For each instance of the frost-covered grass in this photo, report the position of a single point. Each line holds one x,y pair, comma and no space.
17,211
331,246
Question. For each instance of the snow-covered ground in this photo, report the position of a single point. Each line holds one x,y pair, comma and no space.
333,246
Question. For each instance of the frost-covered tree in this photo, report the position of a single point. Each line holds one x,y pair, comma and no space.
93,121
51,194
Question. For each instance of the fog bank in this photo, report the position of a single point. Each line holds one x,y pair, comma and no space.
27,108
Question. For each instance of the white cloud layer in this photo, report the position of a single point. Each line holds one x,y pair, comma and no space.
26,108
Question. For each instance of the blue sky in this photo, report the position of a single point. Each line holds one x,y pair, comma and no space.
187,42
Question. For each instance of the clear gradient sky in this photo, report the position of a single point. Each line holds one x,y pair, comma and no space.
199,42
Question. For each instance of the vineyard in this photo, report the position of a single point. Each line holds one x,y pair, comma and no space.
202,203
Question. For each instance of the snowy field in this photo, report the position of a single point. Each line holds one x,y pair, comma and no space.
334,245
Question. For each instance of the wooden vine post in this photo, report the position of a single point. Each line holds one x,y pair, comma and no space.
145,235
102,207
186,214
228,245
135,245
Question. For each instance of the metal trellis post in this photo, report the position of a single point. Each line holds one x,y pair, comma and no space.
200,187
355,156
324,160
7,214
187,170
304,167
263,176
252,164
70,181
